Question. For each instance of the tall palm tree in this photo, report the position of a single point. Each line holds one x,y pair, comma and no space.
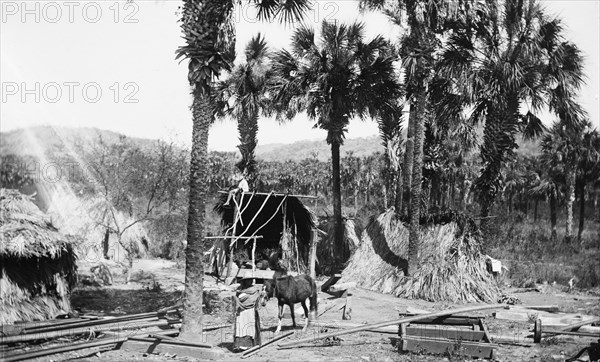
514,55
425,19
561,145
209,33
333,80
243,95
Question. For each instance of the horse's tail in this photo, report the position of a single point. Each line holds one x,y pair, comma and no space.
313,299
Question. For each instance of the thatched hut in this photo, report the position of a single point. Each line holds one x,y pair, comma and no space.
451,267
38,263
283,222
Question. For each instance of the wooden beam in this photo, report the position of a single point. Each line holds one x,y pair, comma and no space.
170,340
389,323
274,194
234,237
312,254
255,349
162,347
331,281
83,330
62,349
342,287
580,334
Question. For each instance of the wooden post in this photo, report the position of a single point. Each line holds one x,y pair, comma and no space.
347,313
312,256
253,257
403,335
231,246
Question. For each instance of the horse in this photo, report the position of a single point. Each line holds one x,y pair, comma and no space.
290,290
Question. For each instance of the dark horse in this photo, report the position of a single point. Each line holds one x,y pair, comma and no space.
290,290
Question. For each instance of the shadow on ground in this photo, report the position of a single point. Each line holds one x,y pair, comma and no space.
122,301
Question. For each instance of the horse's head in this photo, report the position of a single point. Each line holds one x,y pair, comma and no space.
269,288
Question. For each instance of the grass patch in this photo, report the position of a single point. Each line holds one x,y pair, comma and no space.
532,256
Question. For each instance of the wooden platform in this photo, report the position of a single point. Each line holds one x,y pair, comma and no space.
453,335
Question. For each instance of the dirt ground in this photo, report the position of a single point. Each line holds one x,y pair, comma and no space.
159,283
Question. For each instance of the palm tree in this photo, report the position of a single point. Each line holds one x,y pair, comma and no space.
514,56
588,169
243,95
561,145
334,80
209,34
390,132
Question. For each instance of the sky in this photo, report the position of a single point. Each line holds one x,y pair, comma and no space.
110,64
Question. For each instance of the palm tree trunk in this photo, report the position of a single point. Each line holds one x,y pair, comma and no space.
408,161
535,209
105,243
337,203
553,214
398,188
191,327
581,210
570,199
416,180
248,129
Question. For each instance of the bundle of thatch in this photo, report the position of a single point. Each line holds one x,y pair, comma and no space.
38,264
327,252
451,265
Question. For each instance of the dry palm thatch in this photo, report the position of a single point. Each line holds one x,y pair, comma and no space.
326,246
451,267
38,263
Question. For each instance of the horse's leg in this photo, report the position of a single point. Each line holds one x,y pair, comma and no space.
292,312
305,315
280,318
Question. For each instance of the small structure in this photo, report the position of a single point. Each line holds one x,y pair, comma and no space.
451,266
263,223
38,263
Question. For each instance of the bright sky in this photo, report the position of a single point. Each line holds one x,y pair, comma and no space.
110,64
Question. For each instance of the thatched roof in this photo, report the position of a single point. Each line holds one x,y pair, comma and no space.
299,219
25,231
38,263
451,267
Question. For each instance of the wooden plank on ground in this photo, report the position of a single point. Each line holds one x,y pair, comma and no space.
331,281
558,320
441,346
543,308
162,347
61,349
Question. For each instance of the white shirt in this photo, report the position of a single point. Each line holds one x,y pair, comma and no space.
243,185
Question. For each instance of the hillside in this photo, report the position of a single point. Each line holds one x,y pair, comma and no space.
56,140
307,149
34,141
